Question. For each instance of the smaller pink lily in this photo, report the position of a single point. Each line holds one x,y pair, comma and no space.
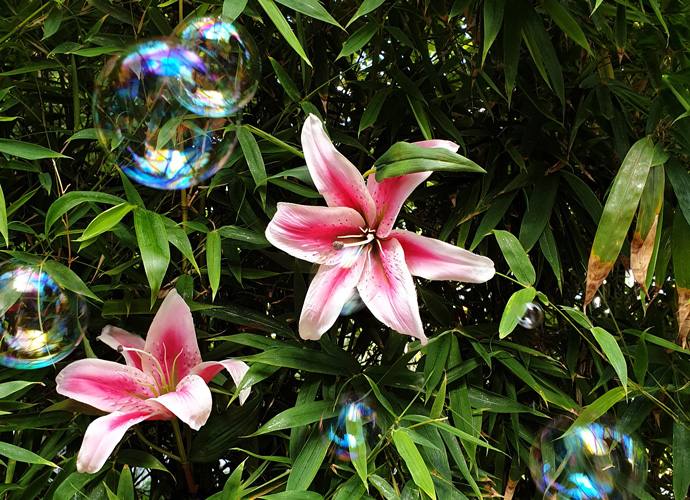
354,241
164,378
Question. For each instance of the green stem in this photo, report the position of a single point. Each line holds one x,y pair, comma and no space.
148,443
24,22
75,93
186,466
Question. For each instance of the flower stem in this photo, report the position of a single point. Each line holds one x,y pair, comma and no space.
148,443
186,466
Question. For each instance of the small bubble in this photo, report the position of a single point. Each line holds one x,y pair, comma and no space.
533,317
353,304
41,322
350,431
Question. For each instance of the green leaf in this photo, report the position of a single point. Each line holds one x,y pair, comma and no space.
3,219
680,181
106,221
384,487
232,487
539,210
515,310
52,22
403,158
618,214
213,256
371,112
547,244
681,459
365,7
138,458
493,18
27,150
450,429
516,257
358,448
414,461
512,40
308,462
243,235
70,200
311,8
358,39
272,10
125,486
233,8
21,455
600,406
255,162
180,240
493,216
68,279
534,29
246,317
9,388
308,360
613,352
293,495
154,248
285,81
303,414
567,23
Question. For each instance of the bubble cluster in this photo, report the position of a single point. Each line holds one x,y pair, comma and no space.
533,317
41,322
350,431
165,109
593,462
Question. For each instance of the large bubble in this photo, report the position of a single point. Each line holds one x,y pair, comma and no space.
593,462
151,135
350,431
228,74
41,322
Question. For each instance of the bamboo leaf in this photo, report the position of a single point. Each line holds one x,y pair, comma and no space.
21,455
70,200
68,279
255,162
515,255
383,487
154,248
515,310
567,23
213,256
681,459
613,352
618,214
646,235
371,112
308,462
285,81
106,220
493,18
358,39
272,10
681,268
414,461
538,212
27,150
600,406
403,158
3,219
306,413
311,8
365,7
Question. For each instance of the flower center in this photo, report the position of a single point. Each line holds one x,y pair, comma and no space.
355,240
165,382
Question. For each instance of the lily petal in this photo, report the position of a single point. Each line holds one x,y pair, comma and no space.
116,337
106,385
436,260
308,232
334,176
103,435
389,196
238,369
190,401
172,338
388,290
329,291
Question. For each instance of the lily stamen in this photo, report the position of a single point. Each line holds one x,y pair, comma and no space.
148,355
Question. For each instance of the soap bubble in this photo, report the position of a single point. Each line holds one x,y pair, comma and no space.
350,430
594,462
353,303
41,322
533,317
151,136
228,74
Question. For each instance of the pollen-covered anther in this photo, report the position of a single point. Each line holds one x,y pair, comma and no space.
120,348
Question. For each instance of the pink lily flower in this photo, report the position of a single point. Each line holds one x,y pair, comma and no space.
164,378
356,246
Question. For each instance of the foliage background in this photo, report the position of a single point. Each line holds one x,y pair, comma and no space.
547,96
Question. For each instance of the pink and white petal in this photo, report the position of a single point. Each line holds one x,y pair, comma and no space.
388,290
238,369
389,196
330,289
103,435
190,401
335,177
438,143
106,385
436,260
308,232
116,337
172,338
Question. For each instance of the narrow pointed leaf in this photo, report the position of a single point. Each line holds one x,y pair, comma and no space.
311,8
681,268
567,23
252,154
403,158
68,279
27,150
3,219
538,211
213,257
618,214
308,462
281,23
21,455
70,200
106,220
154,248
365,7
681,459
547,244
515,310
493,18
358,39
303,414
645,236
613,352
414,461
516,257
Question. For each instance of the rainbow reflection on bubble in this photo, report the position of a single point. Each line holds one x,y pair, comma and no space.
229,74
149,134
593,462
349,432
41,322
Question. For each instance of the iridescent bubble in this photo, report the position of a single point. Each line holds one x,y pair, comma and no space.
353,303
150,135
533,317
228,75
349,432
41,322
593,462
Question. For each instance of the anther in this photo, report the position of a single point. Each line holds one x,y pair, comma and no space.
338,245
120,348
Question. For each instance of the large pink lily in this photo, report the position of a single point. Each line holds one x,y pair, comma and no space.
164,378
354,241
